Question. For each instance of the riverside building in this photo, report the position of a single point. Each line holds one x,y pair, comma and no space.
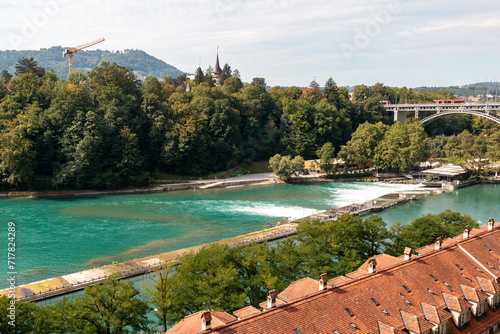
450,286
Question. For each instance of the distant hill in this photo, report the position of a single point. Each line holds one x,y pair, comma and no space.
142,63
482,88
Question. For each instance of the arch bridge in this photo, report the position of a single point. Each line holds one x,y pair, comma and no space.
490,111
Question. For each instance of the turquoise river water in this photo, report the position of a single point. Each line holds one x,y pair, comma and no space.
59,236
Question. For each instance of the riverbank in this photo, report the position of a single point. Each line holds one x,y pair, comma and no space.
243,180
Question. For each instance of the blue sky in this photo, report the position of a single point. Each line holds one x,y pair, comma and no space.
289,42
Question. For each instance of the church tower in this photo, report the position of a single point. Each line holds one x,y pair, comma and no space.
217,72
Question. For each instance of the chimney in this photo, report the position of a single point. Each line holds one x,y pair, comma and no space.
491,223
271,299
372,265
438,243
466,232
206,320
323,280
407,253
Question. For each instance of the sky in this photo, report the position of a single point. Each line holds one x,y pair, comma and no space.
288,42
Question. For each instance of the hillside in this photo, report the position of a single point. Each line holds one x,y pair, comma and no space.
142,63
482,88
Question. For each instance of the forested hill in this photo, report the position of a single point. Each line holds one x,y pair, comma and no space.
465,90
142,63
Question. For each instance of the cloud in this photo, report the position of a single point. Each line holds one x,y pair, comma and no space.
401,42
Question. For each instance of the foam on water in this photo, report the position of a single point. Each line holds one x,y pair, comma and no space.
271,210
361,192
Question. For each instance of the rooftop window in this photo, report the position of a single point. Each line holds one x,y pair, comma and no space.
456,264
408,302
385,312
374,302
467,278
353,325
406,288
488,248
430,291
434,278
349,312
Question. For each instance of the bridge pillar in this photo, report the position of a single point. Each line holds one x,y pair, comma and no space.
399,116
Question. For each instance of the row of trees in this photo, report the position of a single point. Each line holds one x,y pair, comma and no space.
108,130
227,279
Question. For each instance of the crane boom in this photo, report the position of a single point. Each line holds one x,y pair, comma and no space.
83,46
70,51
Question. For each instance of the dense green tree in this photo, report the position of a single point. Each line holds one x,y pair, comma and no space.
17,152
28,65
374,236
208,279
284,166
77,78
361,148
226,73
17,317
424,230
6,76
331,92
199,76
328,125
403,147
108,308
259,82
162,294
253,263
334,248
326,157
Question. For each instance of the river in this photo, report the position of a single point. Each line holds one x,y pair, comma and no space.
55,237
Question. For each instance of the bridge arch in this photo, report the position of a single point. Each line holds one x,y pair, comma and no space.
429,119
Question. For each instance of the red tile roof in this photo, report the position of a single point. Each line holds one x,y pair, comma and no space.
488,285
484,248
299,289
455,303
415,324
246,312
429,248
279,301
192,323
339,280
434,314
386,329
383,261
473,295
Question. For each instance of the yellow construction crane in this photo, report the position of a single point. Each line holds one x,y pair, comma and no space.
70,52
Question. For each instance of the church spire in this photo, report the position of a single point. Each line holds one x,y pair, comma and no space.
217,69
